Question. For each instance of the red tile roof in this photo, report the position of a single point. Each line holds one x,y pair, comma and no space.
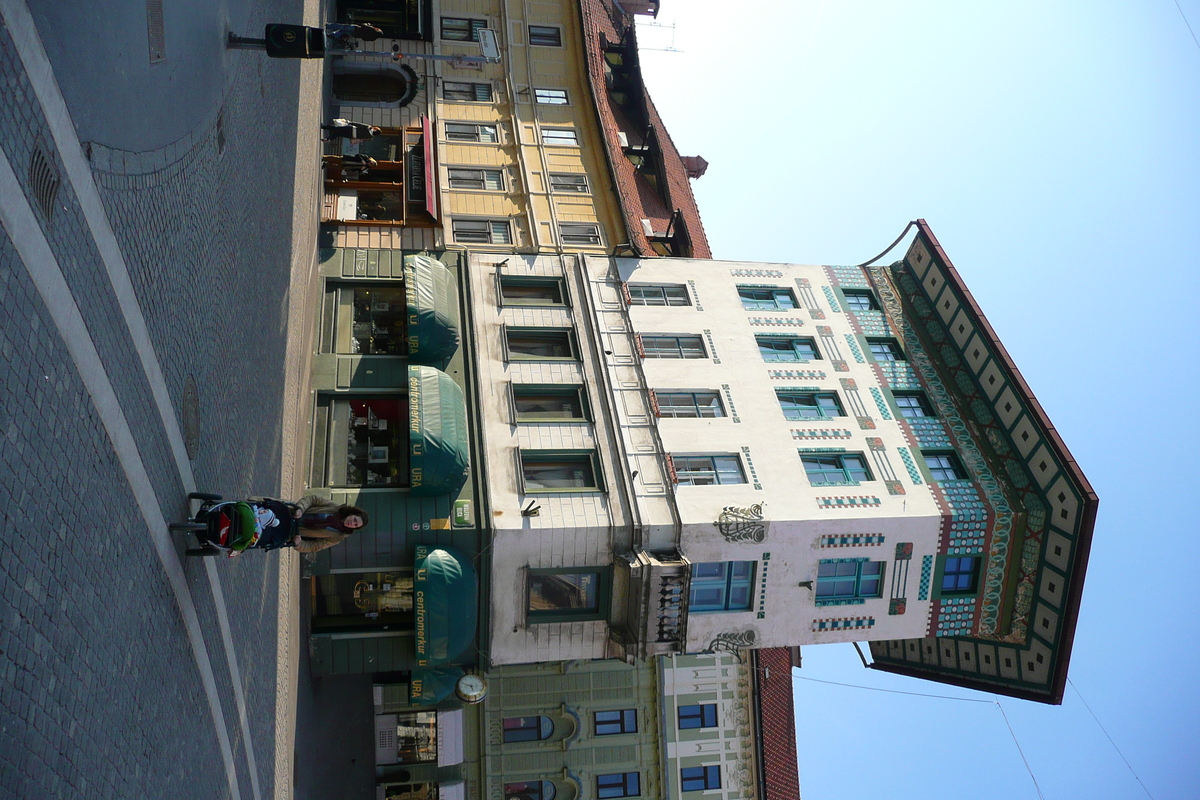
602,19
777,723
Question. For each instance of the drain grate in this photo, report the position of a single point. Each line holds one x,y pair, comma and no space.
43,179
191,417
155,32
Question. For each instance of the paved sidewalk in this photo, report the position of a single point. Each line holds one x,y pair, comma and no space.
116,661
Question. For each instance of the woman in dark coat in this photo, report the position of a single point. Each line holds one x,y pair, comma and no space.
324,523
345,129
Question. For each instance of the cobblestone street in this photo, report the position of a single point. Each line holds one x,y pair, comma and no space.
127,670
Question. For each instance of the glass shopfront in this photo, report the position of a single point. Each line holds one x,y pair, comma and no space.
368,442
351,601
371,320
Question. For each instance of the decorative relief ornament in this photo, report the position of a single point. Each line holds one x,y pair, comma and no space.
742,524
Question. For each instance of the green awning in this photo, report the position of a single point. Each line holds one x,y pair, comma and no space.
445,589
432,310
428,687
437,432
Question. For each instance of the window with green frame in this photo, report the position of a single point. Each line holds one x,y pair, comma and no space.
783,348
885,350
708,470
836,470
609,723
544,471
519,290
860,300
645,294
912,404
540,402
699,779
763,298
568,595
618,784
688,404
809,405
944,466
960,575
673,347
541,344
703,715
848,580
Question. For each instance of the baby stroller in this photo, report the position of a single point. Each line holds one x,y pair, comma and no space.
233,527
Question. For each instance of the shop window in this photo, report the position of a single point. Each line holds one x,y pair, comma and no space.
410,791
527,729
540,344
560,471
549,403
567,595
518,290
357,601
416,737
368,442
380,206
370,319
529,790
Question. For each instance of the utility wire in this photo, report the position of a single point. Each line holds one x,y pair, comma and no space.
894,691
1028,768
1197,41
1110,739
996,703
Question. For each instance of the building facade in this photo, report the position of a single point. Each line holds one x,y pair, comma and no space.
689,456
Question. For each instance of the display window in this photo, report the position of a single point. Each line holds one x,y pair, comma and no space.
410,791
368,442
347,600
371,319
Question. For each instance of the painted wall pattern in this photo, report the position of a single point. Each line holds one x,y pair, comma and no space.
955,617
881,404
903,375
847,277
843,624
855,349
796,374
852,540
929,432
756,273
777,322
909,465
829,298
926,575
872,323
849,501
832,433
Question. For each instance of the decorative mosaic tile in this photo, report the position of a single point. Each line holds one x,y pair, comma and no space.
884,411
955,617
843,623
897,606
821,449
855,349
762,591
851,277
849,501
796,374
695,295
852,540
930,432
873,323
729,401
926,574
904,551
756,273
833,303
866,423
750,466
839,365
831,433
712,347
894,487
776,322
913,472
899,375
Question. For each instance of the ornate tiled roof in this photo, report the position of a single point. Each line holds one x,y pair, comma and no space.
777,723
671,204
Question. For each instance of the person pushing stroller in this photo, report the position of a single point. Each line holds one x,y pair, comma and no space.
324,523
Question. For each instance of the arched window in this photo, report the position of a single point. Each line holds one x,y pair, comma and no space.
527,729
374,85
529,790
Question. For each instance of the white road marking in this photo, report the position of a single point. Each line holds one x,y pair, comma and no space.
41,75
31,245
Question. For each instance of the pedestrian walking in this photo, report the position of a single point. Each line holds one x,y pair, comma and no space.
357,165
324,524
345,129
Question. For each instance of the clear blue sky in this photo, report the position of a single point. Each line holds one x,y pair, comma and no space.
1054,148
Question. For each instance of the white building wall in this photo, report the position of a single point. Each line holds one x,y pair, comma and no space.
797,514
